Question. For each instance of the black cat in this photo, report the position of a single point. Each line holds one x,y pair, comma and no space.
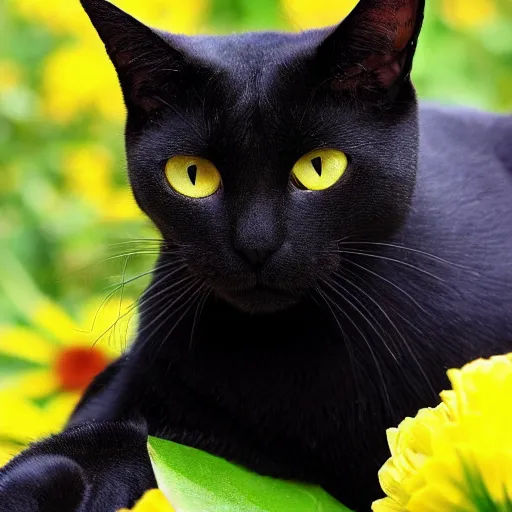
330,249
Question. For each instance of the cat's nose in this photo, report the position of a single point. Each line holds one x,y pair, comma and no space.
256,257
259,231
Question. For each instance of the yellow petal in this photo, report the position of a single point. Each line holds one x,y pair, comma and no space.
112,346
21,420
110,325
28,345
387,505
59,410
55,320
153,501
34,383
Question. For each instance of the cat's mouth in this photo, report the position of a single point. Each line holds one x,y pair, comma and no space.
261,299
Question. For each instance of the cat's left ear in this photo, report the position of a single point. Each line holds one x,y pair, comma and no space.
149,67
373,48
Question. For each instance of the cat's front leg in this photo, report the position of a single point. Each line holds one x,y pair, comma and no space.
96,467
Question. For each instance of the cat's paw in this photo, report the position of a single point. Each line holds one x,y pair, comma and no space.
43,483
91,468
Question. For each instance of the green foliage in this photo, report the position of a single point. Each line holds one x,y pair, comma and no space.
466,65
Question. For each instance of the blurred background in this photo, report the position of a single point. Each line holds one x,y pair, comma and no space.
72,261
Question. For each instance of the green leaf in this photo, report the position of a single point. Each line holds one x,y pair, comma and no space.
195,481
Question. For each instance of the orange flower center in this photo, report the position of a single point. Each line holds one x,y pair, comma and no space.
77,366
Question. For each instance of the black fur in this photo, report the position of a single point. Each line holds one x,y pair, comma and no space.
370,290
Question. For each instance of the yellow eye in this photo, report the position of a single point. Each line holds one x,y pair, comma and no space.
192,176
320,169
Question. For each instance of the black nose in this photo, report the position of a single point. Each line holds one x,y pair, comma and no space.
259,230
255,257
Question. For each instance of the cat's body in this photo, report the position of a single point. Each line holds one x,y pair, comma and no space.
306,391
282,395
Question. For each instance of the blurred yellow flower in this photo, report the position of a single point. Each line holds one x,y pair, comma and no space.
171,15
153,501
89,176
79,77
65,355
7,451
60,16
121,206
468,14
306,14
23,422
68,17
458,456
10,75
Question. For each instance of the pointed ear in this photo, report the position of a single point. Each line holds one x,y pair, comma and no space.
373,48
144,61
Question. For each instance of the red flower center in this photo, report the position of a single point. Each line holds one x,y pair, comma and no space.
77,366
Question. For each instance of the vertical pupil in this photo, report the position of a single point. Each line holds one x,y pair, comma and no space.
192,173
317,165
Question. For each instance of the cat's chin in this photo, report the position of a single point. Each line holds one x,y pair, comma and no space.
260,301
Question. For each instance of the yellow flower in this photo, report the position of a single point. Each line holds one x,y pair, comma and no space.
67,17
60,16
458,455
89,175
65,354
79,78
7,451
22,422
306,14
468,14
121,206
179,17
153,501
10,75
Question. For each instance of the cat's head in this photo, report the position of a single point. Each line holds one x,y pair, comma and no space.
256,153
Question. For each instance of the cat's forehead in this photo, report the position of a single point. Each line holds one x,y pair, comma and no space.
260,89
239,53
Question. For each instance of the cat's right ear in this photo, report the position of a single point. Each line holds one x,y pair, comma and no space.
372,49
146,64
